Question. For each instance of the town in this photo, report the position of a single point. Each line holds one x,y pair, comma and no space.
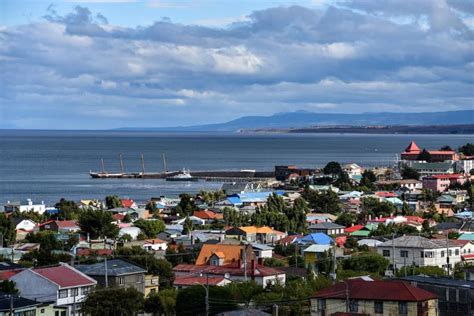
337,240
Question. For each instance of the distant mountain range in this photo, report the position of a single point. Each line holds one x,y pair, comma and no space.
303,119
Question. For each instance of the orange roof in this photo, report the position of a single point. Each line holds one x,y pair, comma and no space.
208,215
155,241
413,147
441,152
259,230
231,253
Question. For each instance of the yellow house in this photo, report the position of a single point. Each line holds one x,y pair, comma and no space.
374,297
152,284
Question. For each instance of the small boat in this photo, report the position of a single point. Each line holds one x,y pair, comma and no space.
182,176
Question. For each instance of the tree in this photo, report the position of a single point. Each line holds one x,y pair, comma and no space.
188,225
368,179
427,270
67,209
244,291
345,219
351,243
8,287
186,205
326,201
112,201
366,262
7,230
333,168
47,240
151,207
273,262
163,302
150,228
113,301
467,150
194,296
446,148
424,155
98,223
410,173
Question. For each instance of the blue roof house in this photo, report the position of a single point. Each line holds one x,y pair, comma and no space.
316,238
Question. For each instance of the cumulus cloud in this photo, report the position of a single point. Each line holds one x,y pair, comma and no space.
78,70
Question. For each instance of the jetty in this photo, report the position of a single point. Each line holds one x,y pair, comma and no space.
205,175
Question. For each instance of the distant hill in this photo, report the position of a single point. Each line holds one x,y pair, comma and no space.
302,119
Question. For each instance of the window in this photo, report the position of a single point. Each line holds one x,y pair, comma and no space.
121,280
62,293
378,307
386,253
450,252
74,292
421,254
152,290
442,253
428,254
353,306
138,278
42,311
404,253
86,290
402,308
456,252
321,304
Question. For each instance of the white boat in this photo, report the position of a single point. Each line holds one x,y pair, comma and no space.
184,175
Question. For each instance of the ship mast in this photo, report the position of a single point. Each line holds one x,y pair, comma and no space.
143,165
164,164
121,163
102,165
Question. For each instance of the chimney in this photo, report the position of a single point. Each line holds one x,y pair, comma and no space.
260,261
254,266
370,217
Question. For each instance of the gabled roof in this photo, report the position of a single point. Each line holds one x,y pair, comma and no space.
155,241
353,228
412,148
317,238
326,225
18,302
205,214
416,242
185,280
115,267
62,224
231,253
64,276
259,230
376,290
127,202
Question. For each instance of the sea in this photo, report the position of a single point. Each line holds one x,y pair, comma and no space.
49,165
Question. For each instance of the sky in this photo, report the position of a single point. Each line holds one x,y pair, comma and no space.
100,64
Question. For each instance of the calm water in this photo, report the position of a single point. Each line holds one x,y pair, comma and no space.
49,165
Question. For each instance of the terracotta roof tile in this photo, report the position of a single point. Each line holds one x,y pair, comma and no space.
64,276
231,253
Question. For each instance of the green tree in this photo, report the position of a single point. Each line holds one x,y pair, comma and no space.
446,148
8,287
47,240
467,150
186,205
98,223
151,207
345,219
410,173
112,201
244,291
333,168
68,210
326,201
163,302
194,297
150,228
366,262
188,225
273,262
368,179
424,156
7,230
113,302
428,270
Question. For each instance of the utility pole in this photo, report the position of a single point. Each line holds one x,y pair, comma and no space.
106,274
275,310
245,262
296,255
207,294
447,253
12,312
393,255
334,263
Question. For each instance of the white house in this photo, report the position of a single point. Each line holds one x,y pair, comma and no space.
25,206
25,224
194,219
262,251
61,284
420,251
131,230
155,245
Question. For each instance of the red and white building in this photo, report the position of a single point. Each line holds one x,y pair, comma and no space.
412,152
441,182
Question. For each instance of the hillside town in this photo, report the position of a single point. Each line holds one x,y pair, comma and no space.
342,239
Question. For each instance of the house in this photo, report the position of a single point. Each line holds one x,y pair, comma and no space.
441,182
327,228
262,251
455,297
371,243
314,218
132,231
353,228
152,284
155,244
352,169
26,225
9,269
69,226
208,216
235,272
420,251
128,203
61,284
288,240
184,281
432,168
263,234
24,206
314,252
20,305
413,151
409,184
230,188
120,273
361,297
315,238
223,254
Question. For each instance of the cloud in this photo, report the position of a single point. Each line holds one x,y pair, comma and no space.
79,71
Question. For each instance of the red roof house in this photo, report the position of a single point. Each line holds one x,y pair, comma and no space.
354,228
208,215
128,203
